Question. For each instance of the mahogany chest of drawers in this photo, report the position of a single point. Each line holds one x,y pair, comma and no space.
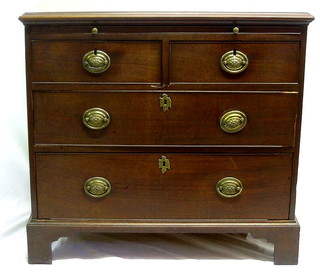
164,123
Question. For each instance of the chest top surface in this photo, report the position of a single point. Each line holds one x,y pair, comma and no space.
166,17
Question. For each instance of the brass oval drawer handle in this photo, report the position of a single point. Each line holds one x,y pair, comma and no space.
234,61
233,121
96,61
96,118
229,187
97,187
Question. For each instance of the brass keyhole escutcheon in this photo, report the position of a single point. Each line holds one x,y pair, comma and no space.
233,121
164,164
165,102
96,61
97,187
96,118
234,61
229,187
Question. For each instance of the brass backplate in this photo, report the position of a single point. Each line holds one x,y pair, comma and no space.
233,121
96,118
97,187
96,61
234,61
229,187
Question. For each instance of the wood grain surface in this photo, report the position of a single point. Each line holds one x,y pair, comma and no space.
268,62
141,191
130,61
137,119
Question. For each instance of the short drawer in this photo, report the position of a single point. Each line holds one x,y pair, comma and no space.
168,186
129,61
265,62
136,118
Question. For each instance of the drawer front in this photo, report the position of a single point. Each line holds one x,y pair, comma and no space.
130,61
267,62
136,118
140,189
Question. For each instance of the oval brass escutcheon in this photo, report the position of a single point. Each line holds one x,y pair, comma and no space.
96,118
233,121
96,61
234,61
97,187
229,187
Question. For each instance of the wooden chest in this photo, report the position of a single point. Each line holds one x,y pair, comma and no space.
164,123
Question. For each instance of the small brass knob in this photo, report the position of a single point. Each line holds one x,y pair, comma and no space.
94,30
229,187
97,187
235,30
96,118
233,121
96,61
234,61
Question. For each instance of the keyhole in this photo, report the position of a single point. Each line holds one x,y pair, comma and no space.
163,164
95,51
234,52
165,101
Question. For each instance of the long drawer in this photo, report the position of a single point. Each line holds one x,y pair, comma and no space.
137,118
168,186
